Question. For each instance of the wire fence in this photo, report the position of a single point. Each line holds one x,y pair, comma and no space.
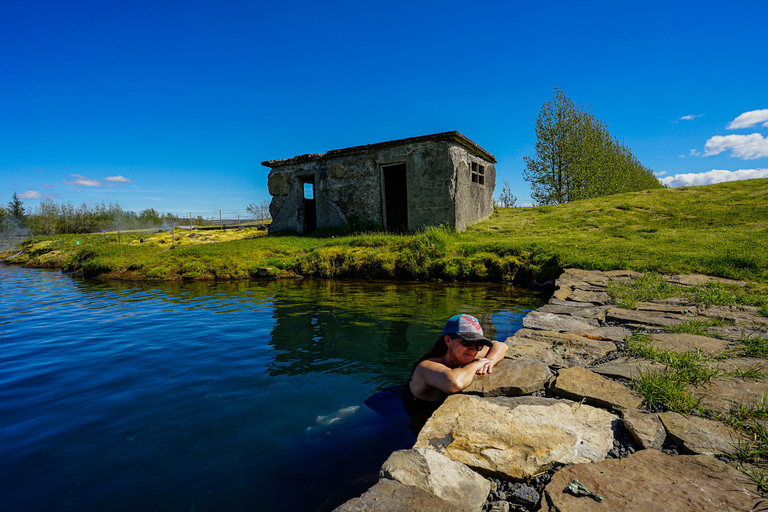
218,218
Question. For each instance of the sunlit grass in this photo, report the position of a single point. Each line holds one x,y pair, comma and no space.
718,230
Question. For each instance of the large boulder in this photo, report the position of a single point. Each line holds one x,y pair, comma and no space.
435,473
511,377
558,349
649,481
392,496
521,442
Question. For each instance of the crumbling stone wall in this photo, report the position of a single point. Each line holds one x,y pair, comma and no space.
348,185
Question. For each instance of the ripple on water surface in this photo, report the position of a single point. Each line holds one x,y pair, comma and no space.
210,396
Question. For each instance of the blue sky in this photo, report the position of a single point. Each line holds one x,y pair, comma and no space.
173,105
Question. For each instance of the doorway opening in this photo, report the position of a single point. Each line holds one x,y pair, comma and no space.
309,209
395,198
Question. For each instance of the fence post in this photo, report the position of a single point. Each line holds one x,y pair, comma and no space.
220,226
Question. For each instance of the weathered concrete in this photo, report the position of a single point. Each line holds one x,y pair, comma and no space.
448,180
650,481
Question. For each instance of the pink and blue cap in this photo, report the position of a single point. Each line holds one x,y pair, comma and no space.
467,328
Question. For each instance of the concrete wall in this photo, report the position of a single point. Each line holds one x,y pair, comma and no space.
349,187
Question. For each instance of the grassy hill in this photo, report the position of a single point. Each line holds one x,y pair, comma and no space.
720,230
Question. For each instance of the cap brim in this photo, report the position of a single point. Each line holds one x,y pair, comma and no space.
473,336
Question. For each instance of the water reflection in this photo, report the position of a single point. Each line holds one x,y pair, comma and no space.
211,396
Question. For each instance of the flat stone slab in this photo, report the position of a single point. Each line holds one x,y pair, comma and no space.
555,349
439,475
646,428
611,333
595,312
741,364
737,332
517,443
510,402
627,367
573,276
559,323
721,393
643,318
391,496
595,297
666,308
698,435
579,383
740,315
511,377
694,279
681,342
650,481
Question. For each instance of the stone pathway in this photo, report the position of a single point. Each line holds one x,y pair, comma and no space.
562,397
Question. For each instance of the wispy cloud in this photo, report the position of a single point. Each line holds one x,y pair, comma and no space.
689,117
82,181
746,147
750,118
713,176
118,178
30,194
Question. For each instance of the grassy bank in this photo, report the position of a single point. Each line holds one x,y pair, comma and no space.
719,230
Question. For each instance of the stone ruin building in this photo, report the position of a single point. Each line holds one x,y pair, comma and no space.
402,185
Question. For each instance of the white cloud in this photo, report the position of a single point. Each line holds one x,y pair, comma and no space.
119,178
30,194
689,117
82,181
713,176
746,147
750,118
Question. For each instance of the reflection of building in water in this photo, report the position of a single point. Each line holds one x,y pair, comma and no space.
320,323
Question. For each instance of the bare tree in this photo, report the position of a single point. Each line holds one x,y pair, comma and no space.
260,211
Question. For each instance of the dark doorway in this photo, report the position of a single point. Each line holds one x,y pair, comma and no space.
396,197
310,211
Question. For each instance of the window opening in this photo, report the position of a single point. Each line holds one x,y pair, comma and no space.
309,190
478,173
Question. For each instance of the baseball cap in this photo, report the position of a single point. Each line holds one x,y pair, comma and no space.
467,328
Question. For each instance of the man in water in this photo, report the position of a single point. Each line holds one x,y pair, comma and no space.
449,366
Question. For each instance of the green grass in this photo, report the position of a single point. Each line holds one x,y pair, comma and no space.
667,388
719,230
749,420
697,326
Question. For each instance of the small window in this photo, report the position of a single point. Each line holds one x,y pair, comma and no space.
478,173
309,190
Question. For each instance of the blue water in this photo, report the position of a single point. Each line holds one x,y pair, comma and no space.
245,396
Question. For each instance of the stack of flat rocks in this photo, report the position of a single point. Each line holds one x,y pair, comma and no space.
559,408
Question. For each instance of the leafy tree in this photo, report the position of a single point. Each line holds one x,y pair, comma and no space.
577,157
